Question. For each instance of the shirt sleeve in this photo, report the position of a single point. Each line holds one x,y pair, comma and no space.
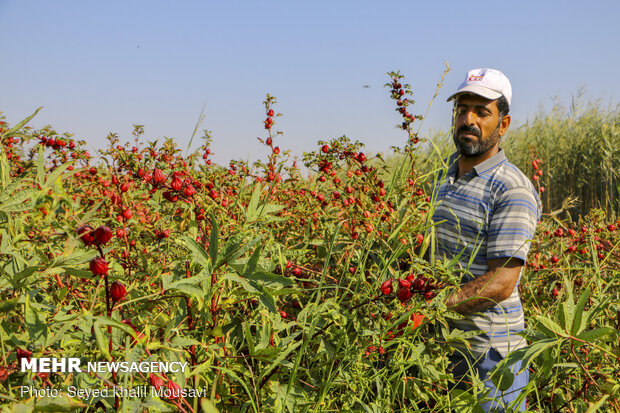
513,224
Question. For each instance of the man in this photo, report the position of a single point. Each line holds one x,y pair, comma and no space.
487,212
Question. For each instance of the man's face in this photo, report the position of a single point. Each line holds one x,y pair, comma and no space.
477,125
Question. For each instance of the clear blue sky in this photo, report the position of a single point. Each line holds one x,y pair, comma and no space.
99,67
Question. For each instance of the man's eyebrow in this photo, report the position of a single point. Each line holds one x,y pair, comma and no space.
475,106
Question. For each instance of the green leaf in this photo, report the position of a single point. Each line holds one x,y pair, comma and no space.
60,333
189,289
8,305
235,247
252,262
5,170
37,329
208,406
21,124
581,303
596,406
41,165
280,357
75,272
87,217
503,378
596,334
106,321
244,283
62,403
75,259
549,327
269,279
53,177
203,275
184,342
529,353
101,341
197,249
268,301
252,209
566,313
17,202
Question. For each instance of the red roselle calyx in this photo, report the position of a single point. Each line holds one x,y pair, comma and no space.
176,184
158,176
22,353
117,291
85,233
156,381
98,266
175,390
102,235
404,294
386,287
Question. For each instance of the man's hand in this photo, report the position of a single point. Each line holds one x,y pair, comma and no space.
489,289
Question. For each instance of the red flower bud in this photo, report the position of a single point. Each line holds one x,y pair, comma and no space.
404,283
102,235
158,176
404,294
22,353
386,287
429,295
170,196
156,381
86,234
175,390
117,291
418,283
127,213
189,191
176,183
98,266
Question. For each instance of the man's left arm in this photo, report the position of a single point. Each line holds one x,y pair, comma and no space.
489,289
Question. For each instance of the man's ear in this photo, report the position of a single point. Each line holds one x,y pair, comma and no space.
503,125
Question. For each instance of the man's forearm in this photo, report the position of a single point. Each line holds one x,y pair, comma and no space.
484,291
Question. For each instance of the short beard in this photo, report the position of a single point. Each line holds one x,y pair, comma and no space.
478,148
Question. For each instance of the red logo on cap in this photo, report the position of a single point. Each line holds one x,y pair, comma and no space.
473,78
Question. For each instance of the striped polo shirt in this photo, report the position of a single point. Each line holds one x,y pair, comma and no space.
490,212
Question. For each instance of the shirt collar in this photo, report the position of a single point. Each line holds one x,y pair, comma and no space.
481,168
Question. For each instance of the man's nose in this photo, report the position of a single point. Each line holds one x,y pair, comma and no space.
470,117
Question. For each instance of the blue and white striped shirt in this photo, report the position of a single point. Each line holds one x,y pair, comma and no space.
490,212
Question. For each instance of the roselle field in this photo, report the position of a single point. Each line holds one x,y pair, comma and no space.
289,293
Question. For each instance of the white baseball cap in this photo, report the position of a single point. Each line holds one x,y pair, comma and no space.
488,83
